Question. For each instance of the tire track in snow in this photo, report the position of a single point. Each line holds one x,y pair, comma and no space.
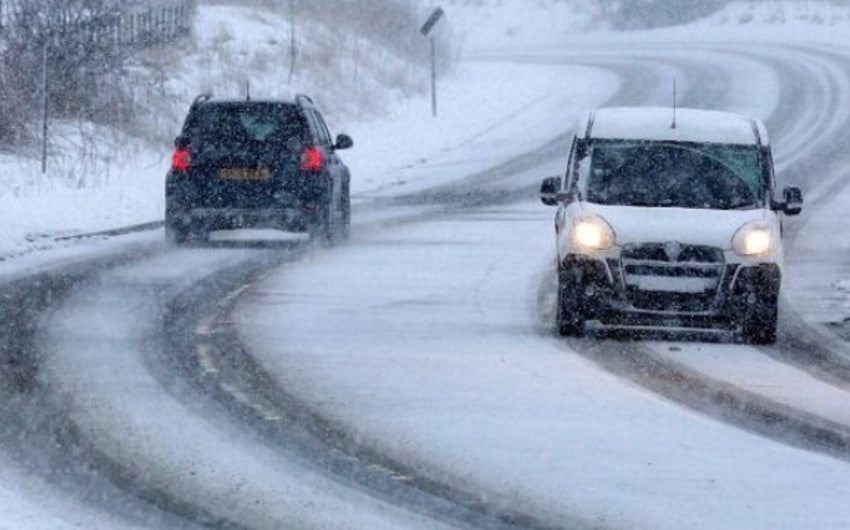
214,360
36,430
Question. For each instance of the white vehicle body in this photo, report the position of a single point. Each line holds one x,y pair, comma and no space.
670,224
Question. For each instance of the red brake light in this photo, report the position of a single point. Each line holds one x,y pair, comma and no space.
312,159
181,159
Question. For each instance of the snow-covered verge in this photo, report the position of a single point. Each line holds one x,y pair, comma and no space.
490,112
785,12
819,269
97,179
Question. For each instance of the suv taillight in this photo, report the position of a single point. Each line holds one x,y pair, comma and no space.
312,159
181,160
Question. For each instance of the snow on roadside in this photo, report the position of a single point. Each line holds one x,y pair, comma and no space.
488,113
104,183
818,275
785,12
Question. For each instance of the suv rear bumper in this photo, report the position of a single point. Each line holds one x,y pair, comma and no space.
606,301
208,219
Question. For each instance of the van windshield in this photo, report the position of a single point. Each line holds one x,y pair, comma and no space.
660,174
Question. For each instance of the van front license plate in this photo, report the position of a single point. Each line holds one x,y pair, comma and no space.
243,174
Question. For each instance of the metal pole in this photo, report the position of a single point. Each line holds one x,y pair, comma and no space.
434,76
292,41
45,105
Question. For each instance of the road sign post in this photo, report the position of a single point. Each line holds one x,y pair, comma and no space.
293,57
427,30
434,77
45,94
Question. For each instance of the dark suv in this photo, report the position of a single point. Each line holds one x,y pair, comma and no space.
257,164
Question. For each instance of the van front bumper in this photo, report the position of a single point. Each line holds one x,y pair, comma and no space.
609,297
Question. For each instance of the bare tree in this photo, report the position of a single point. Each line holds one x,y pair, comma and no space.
87,44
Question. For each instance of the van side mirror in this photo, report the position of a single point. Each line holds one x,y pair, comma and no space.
343,141
792,201
181,142
550,191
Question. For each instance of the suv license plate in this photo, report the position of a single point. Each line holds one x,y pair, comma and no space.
243,174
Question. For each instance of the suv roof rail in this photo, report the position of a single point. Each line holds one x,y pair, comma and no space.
202,98
304,100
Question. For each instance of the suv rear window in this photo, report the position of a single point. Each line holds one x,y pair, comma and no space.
222,128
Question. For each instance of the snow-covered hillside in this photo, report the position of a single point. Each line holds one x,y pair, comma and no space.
485,23
348,77
810,12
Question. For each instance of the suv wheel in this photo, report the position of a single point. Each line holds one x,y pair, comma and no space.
568,320
175,231
176,235
321,227
345,227
760,327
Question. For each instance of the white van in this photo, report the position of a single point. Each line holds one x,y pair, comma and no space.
669,220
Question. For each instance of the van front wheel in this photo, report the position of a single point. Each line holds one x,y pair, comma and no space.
760,328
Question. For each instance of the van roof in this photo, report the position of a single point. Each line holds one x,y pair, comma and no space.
655,124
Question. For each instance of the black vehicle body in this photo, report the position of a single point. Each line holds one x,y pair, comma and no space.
257,164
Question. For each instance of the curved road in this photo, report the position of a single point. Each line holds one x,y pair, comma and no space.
409,379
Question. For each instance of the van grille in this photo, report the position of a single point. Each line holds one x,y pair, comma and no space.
672,277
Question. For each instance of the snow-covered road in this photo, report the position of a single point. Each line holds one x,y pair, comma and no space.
410,379
433,350
436,353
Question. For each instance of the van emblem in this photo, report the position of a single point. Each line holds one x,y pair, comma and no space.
673,249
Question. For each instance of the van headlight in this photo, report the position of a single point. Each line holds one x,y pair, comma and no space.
753,240
591,234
